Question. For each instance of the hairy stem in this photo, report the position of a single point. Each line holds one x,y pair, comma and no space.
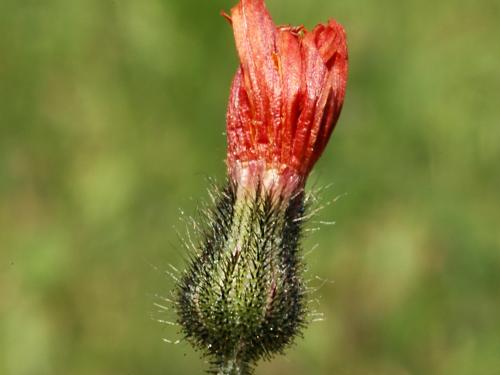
233,366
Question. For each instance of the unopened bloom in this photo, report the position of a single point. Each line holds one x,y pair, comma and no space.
242,297
285,98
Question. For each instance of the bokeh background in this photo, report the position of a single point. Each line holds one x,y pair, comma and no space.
112,118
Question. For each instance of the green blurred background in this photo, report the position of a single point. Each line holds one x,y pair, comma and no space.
112,118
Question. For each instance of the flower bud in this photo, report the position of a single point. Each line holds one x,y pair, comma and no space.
242,297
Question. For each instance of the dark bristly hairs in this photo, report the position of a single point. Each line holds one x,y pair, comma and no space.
242,296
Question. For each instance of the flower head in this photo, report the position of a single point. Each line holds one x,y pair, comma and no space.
242,297
285,99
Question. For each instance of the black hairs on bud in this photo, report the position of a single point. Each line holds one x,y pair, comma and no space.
242,297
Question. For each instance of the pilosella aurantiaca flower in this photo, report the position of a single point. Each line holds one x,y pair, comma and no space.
242,297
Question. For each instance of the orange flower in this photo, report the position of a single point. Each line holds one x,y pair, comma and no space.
285,99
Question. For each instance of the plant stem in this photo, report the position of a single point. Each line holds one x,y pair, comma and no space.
233,366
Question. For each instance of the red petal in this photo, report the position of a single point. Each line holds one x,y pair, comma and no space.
255,36
239,134
314,79
291,80
331,44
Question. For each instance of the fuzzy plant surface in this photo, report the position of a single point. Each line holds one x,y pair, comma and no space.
242,297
